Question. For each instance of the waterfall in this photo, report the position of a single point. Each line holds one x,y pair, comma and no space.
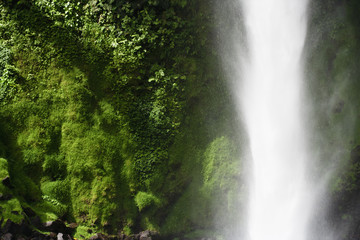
270,99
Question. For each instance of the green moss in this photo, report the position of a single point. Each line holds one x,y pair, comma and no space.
96,127
3,168
58,190
144,200
12,210
51,209
221,167
82,232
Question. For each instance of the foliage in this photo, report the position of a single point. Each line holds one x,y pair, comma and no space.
3,168
220,170
8,75
12,210
3,173
96,98
143,200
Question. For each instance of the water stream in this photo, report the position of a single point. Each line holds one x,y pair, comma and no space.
270,102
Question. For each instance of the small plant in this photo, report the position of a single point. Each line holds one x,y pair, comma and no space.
144,200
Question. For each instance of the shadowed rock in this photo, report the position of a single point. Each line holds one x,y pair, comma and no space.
5,197
148,235
60,236
6,227
56,226
98,236
6,182
7,236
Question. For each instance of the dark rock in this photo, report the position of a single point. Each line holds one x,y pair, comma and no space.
149,235
24,229
121,236
20,238
7,236
29,212
67,237
131,237
6,182
7,226
113,237
108,228
36,221
20,229
56,226
5,197
145,235
155,235
98,236
39,236
53,235
73,225
71,228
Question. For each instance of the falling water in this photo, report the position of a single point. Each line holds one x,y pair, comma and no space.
270,99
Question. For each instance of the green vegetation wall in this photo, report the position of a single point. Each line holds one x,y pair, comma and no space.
114,115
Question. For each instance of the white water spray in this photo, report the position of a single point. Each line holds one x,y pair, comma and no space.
270,99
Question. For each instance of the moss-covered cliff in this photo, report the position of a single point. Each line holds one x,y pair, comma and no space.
114,116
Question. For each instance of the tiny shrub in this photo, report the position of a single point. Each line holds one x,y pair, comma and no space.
54,206
12,210
3,173
57,190
3,168
220,167
144,200
54,166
